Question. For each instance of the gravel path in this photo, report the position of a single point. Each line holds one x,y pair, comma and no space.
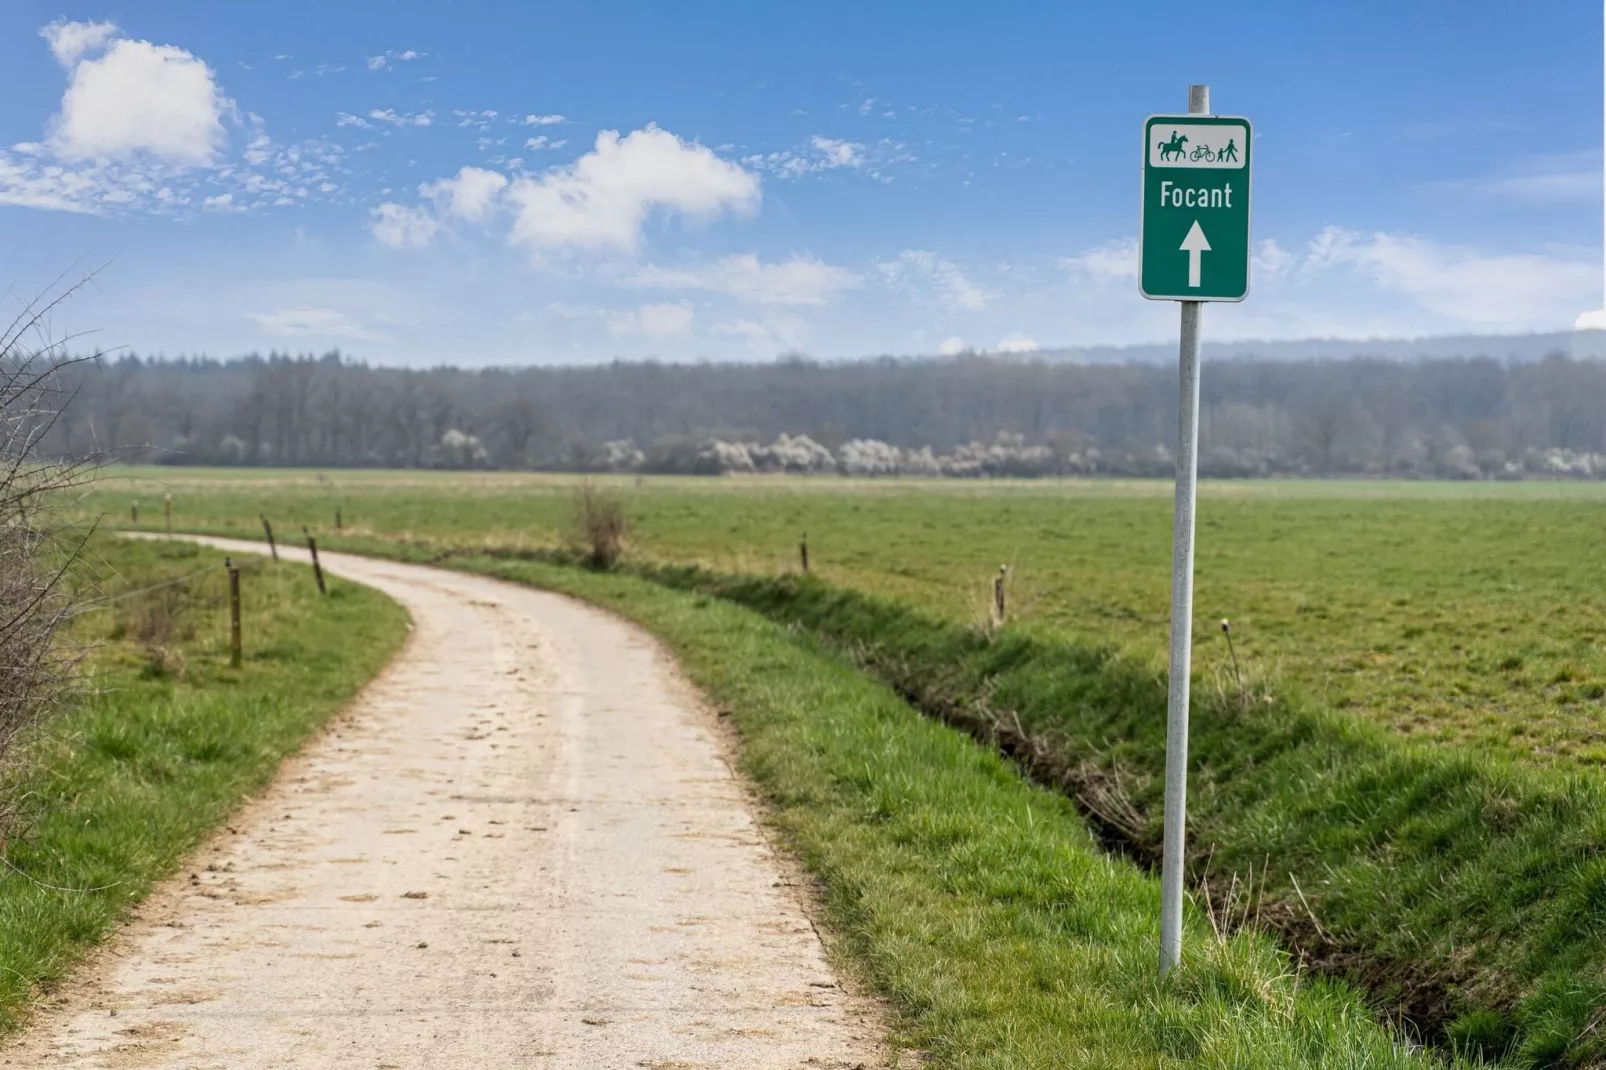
521,846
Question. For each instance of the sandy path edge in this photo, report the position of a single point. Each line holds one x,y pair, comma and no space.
523,844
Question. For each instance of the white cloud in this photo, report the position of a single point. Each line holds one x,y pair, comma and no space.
1271,258
574,312
1546,178
346,119
223,202
603,199
1016,343
657,321
401,227
838,153
923,272
259,150
395,118
1551,186
1111,262
136,98
306,322
819,154
71,41
766,337
1501,290
383,62
952,347
799,281
470,195
28,184
543,120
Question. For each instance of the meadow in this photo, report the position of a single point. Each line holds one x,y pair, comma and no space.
1465,614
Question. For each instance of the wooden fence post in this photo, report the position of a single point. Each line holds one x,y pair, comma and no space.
133,513
273,546
234,613
338,525
803,552
168,501
998,593
317,569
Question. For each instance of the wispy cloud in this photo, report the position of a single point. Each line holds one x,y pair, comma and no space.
1116,260
654,321
395,118
1500,290
385,61
314,323
1553,177
934,279
799,281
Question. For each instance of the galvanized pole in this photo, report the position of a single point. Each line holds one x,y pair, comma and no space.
1176,725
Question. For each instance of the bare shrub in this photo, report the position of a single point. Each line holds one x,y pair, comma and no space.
37,548
159,622
600,525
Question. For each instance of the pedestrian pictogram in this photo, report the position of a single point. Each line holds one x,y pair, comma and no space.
1195,218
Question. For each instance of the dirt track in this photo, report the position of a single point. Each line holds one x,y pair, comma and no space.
520,847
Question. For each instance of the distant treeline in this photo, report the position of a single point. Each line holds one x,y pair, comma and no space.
1445,417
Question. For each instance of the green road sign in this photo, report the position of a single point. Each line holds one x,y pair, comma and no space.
1194,243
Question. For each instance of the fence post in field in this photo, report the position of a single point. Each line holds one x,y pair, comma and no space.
272,546
338,525
168,503
133,513
234,613
998,593
317,569
803,552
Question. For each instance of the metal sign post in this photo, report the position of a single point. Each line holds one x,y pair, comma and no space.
1194,248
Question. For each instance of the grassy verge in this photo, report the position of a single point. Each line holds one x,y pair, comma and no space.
1466,893
167,740
980,904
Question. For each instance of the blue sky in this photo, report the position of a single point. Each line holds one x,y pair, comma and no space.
537,183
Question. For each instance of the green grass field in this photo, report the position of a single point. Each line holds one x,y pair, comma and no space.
1472,614
164,739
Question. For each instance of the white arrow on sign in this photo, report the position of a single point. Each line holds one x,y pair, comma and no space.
1194,245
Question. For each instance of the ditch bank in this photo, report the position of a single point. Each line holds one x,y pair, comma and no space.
1468,895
